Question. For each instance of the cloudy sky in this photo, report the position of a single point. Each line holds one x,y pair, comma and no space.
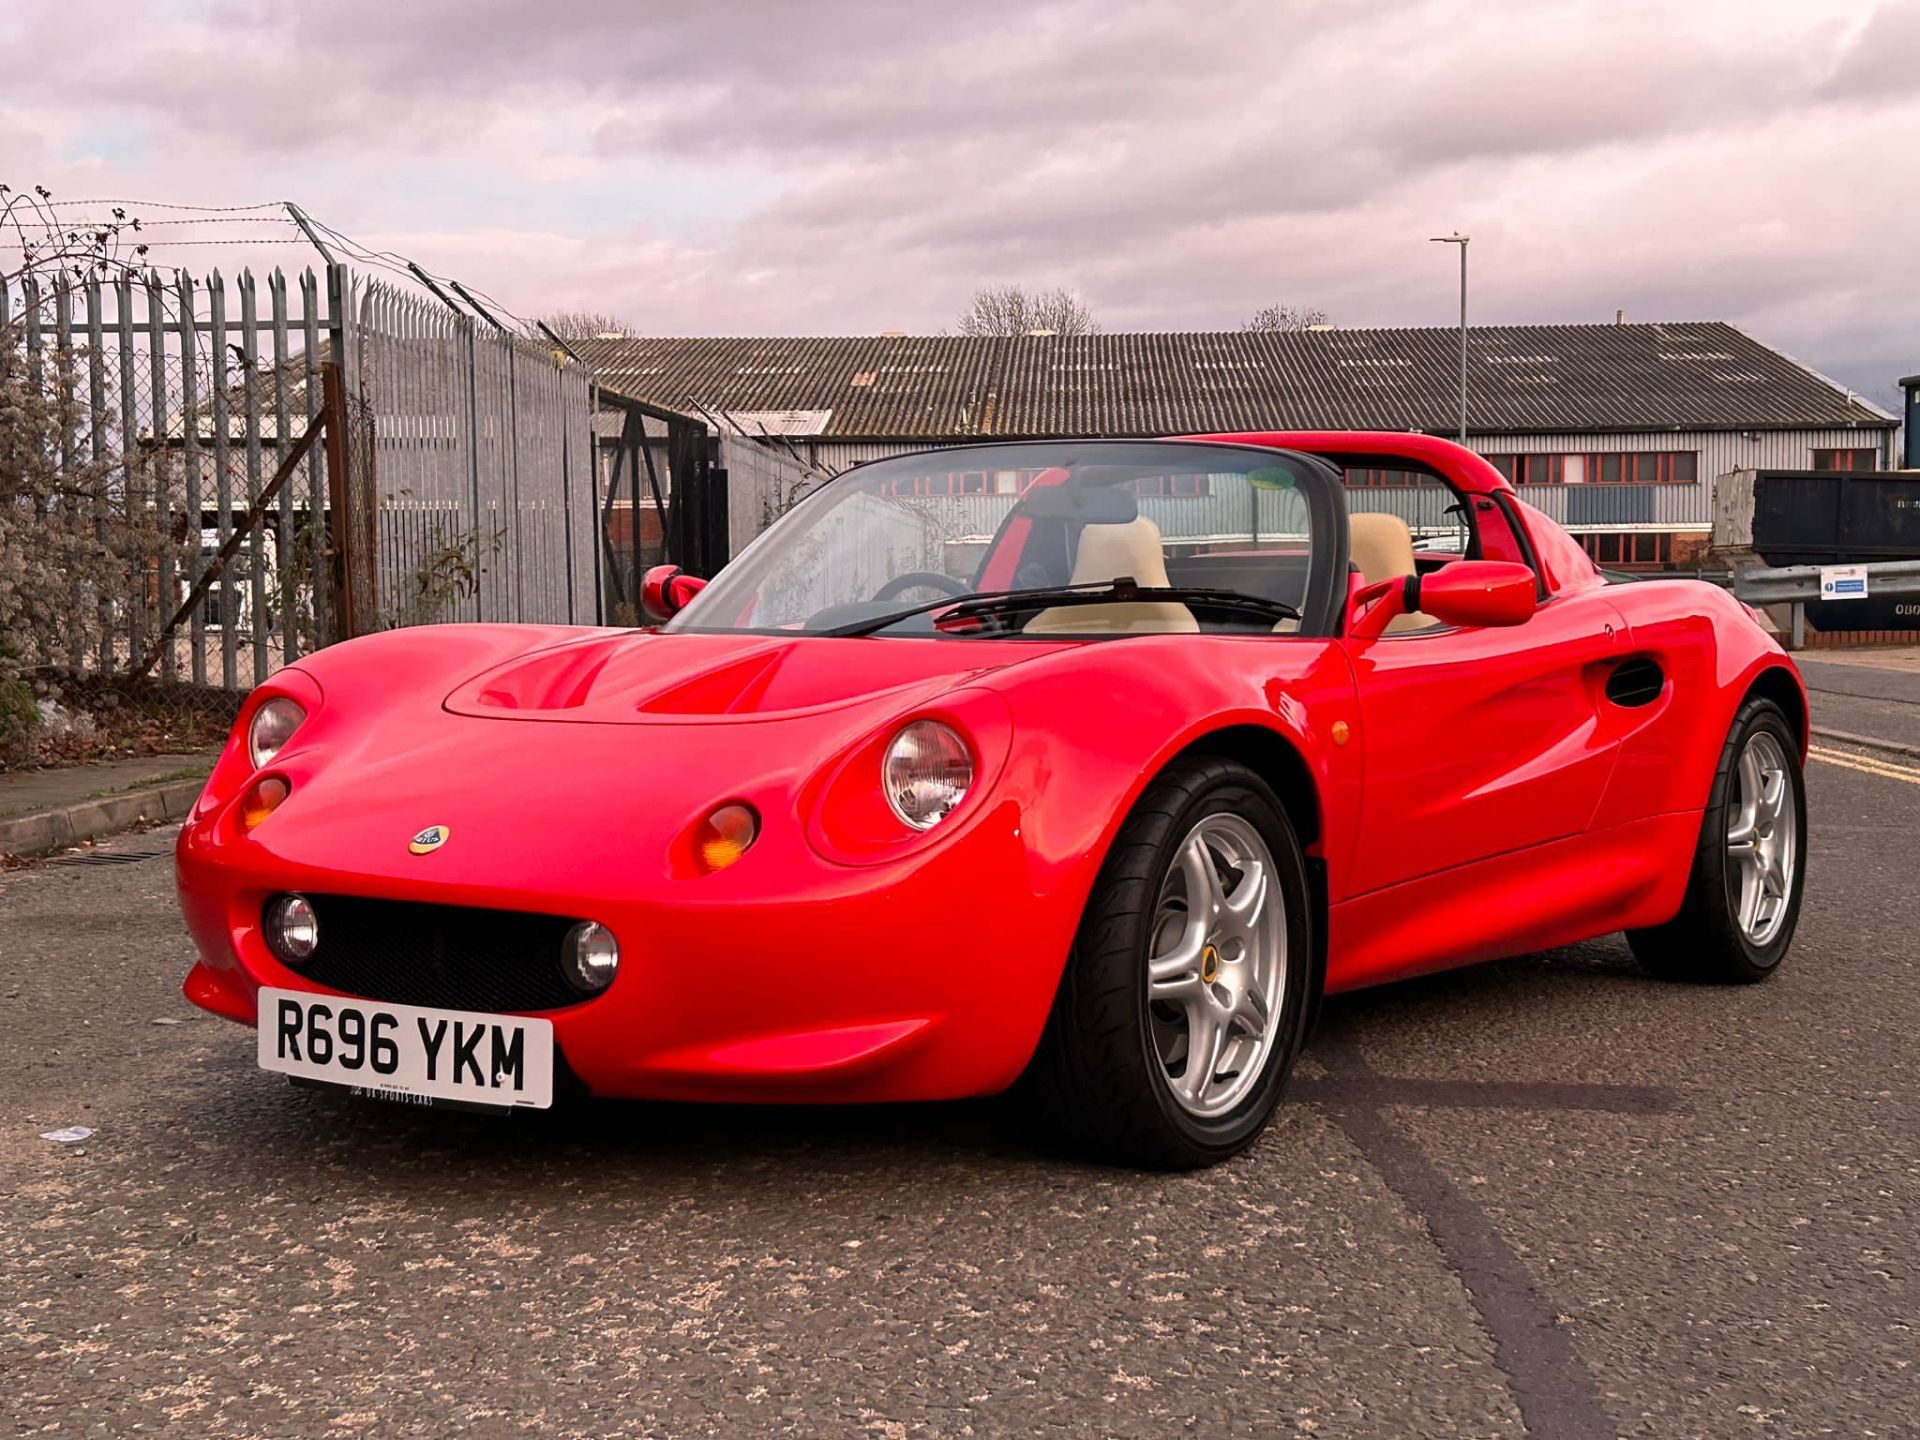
847,167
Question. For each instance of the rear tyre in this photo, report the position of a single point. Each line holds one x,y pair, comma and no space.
1184,1002
1749,869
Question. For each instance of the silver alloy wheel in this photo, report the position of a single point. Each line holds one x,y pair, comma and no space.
1763,839
1217,965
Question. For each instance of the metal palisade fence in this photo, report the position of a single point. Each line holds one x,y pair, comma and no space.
209,479
483,467
163,408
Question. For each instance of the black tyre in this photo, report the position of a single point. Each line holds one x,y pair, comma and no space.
1184,1003
1750,867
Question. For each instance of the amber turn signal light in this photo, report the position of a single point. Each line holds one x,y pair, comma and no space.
723,837
267,794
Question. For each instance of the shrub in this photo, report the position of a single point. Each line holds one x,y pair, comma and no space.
19,723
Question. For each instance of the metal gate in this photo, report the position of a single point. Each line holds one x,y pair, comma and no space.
178,523
222,476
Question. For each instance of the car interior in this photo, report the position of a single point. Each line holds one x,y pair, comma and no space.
1111,552
1381,548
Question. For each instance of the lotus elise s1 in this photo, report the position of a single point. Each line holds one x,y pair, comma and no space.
1089,765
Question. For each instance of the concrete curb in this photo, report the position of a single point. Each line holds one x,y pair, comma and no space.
1847,737
47,830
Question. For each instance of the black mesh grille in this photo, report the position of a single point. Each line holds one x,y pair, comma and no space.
449,956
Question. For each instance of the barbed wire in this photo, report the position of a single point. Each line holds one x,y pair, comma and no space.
146,225
285,242
393,260
171,205
402,267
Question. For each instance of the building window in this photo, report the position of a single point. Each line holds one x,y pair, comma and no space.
1540,469
1173,485
1638,550
1649,467
1605,467
1843,459
963,482
1368,479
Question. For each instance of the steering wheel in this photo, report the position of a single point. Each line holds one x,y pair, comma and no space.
913,579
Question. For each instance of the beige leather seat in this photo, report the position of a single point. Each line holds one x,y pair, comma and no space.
1382,546
1108,552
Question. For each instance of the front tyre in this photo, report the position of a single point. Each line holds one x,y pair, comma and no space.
1749,870
1184,1003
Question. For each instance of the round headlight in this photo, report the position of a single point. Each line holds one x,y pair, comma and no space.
589,957
927,774
292,929
273,725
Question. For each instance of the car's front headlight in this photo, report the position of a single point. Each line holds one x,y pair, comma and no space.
927,773
272,726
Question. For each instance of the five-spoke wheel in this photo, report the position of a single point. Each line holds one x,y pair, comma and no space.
1184,1002
1749,870
1763,839
1217,966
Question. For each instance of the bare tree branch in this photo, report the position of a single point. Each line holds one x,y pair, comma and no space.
1014,310
1271,318
579,325
52,245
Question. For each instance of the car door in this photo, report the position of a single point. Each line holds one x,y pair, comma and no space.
1479,742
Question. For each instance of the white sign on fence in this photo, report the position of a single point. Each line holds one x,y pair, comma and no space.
1843,582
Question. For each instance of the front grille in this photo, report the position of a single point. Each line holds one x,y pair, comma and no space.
450,956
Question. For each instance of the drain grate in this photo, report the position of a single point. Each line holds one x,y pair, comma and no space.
107,857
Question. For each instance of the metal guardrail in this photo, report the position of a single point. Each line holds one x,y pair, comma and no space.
1802,582
1795,585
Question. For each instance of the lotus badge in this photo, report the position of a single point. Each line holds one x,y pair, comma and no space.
429,840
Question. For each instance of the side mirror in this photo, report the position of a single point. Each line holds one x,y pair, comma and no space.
665,591
1469,593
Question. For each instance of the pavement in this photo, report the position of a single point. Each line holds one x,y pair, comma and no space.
47,810
1548,1197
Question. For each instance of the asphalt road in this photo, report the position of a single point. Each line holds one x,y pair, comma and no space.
1866,700
1548,1197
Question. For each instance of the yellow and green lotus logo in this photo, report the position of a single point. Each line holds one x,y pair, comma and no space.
429,840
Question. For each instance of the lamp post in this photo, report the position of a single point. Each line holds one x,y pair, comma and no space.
1461,240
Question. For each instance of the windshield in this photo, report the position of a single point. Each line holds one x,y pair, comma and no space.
1167,537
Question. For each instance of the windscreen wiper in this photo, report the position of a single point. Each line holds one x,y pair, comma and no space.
1122,591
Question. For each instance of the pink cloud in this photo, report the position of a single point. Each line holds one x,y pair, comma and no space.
858,166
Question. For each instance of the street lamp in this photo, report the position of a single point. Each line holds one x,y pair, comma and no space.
1461,240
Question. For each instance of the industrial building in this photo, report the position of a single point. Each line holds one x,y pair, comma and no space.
1615,430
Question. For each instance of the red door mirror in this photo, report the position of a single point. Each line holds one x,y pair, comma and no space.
1479,592
665,591
1468,593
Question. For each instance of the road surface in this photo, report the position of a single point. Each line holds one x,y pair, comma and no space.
1548,1197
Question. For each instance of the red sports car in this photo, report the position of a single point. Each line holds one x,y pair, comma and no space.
1094,762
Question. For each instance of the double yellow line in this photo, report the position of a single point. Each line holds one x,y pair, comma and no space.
1866,764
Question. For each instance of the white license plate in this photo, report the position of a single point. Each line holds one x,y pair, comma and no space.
407,1052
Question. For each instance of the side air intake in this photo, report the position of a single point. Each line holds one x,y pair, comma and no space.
1636,682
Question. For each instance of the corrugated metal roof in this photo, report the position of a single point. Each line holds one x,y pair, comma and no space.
1701,375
